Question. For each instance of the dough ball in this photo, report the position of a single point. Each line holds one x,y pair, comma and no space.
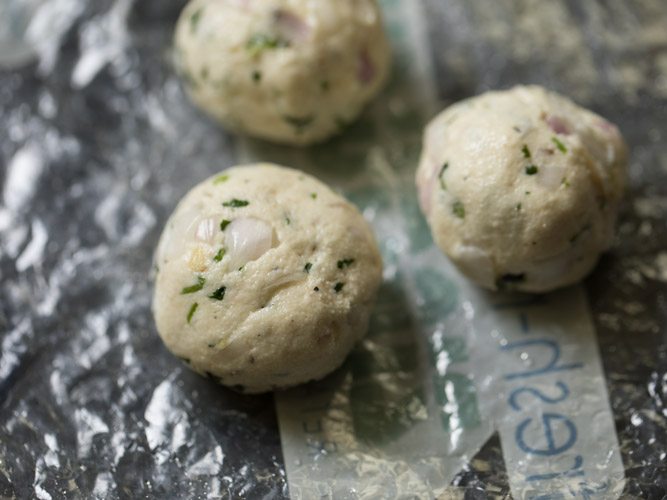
266,278
290,71
521,188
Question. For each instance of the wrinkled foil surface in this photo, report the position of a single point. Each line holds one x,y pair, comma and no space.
98,143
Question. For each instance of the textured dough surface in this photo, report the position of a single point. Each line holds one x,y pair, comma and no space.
292,71
521,187
300,270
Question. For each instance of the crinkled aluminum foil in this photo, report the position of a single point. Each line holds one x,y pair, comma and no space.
98,143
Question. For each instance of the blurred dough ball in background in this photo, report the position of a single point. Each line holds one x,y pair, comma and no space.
289,71
521,188
266,278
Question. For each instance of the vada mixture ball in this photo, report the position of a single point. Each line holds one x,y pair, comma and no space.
289,71
521,188
266,278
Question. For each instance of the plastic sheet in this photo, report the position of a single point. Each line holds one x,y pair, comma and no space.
99,142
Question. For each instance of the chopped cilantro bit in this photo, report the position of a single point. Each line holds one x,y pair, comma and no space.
324,85
525,151
313,196
317,289
299,122
221,253
339,286
519,206
443,185
561,147
345,263
531,170
235,203
288,221
256,76
583,230
459,210
219,294
507,280
224,223
261,42
565,182
194,288
220,179
191,313
194,19
308,267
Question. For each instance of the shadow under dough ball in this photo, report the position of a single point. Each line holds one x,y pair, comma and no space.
521,188
266,278
294,72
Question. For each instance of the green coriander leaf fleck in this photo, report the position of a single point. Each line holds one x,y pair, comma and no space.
339,286
194,288
313,196
220,179
236,203
299,122
443,185
580,233
508,281
219,294
194,19
191,313
525,151
260,42
561,147
531,170
308,267
345,263
519,206
324,85
256,76
221,253
459,210
224,223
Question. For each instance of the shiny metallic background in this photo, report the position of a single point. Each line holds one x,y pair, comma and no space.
97,142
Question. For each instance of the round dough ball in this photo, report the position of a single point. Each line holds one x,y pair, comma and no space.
290,71
266,278
521,188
